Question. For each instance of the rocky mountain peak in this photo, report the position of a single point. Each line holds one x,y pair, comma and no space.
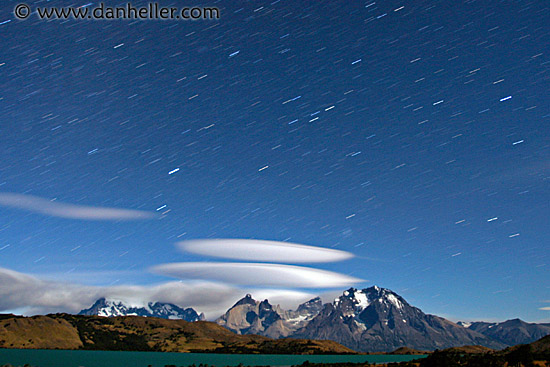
313,305
353,301
246,300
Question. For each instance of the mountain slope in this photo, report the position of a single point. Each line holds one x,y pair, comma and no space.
110,308
541,347
63,331
378,320
511,332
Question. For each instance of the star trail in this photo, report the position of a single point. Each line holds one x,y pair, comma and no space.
414,135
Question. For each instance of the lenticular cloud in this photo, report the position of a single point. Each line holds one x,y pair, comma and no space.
63,210
258,274
260,250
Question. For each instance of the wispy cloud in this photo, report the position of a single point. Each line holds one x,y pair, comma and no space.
64,210
257,274
32,295
544,308
261,250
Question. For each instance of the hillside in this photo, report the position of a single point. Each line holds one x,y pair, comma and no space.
38,332
541,346
135,333
539,349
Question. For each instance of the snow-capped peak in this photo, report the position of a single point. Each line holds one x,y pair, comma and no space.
354,301
109,308
113,308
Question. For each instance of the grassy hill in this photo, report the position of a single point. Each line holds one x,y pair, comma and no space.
134,333
40,332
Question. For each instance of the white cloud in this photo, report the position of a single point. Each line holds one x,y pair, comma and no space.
22,291
63,210
260,250
544,308
31,295
257,274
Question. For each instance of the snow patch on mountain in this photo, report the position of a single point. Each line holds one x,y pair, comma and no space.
361,299
393,300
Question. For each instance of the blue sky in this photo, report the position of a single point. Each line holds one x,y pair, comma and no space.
415,138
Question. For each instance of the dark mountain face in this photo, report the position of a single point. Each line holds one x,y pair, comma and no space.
377,319
103,307
312,306
511,332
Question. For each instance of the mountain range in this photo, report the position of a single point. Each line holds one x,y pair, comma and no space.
368,320
510,332
110,308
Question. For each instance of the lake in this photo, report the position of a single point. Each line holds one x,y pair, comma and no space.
86,358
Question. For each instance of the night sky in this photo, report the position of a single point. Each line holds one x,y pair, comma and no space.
412,134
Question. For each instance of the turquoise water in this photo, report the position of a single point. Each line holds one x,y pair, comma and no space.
86,358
